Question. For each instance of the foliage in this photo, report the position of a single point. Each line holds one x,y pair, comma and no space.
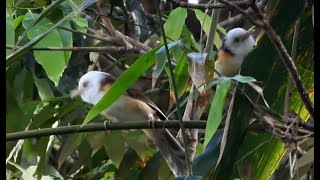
38,82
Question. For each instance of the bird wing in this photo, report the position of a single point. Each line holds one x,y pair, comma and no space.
134,93
140,96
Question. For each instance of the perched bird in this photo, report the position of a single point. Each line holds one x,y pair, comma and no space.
133,106
236,45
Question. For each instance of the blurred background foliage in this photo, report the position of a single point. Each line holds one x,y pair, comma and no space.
39,78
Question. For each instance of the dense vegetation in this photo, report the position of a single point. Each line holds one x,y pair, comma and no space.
267,132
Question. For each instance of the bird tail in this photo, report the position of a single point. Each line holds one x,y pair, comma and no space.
171,150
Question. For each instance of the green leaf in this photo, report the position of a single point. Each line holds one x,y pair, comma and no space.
84,156
122,83
96,140
17,21
80,23
189,178
243,79
44,151
137,141
44,90
128,169
206,20
260,149
9,32
174,24
207,160
161,59
181,75
67,40
114,146
15,56
215,113
152,167
69,147
53,62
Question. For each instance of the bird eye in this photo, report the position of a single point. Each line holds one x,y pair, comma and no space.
85,84
237,40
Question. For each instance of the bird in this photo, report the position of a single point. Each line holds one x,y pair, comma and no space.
237,43
133,106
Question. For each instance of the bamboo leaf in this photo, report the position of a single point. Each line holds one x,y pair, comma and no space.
161,59
207,160
69,147
215,113
114,147
202,17
122,83
174,24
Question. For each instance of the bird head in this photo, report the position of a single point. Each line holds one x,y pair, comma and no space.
92,85
238,42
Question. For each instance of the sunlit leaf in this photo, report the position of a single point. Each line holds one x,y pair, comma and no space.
52,61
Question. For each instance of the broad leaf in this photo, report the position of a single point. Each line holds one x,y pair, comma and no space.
53,62
174,24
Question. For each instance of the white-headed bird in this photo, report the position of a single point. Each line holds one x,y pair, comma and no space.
236,45
133,106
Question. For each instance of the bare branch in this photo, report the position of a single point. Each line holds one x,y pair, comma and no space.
207,6
276,40
107,49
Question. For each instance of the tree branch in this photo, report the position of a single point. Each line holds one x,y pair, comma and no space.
207,6
276,40
107,49
101,127
184,136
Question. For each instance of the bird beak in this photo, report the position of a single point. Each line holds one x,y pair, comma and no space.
75,93
248,33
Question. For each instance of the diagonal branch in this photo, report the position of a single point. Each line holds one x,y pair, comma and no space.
262,22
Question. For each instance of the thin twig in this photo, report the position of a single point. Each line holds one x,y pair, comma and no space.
207,6
103,39
184,138
108,49
243,12
239,17
285,57
276,40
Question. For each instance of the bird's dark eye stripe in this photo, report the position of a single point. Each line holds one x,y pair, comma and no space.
236,39
85,84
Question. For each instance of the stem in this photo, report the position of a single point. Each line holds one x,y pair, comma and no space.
206,6
89,49
212,31
101,127
290,66
184,138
